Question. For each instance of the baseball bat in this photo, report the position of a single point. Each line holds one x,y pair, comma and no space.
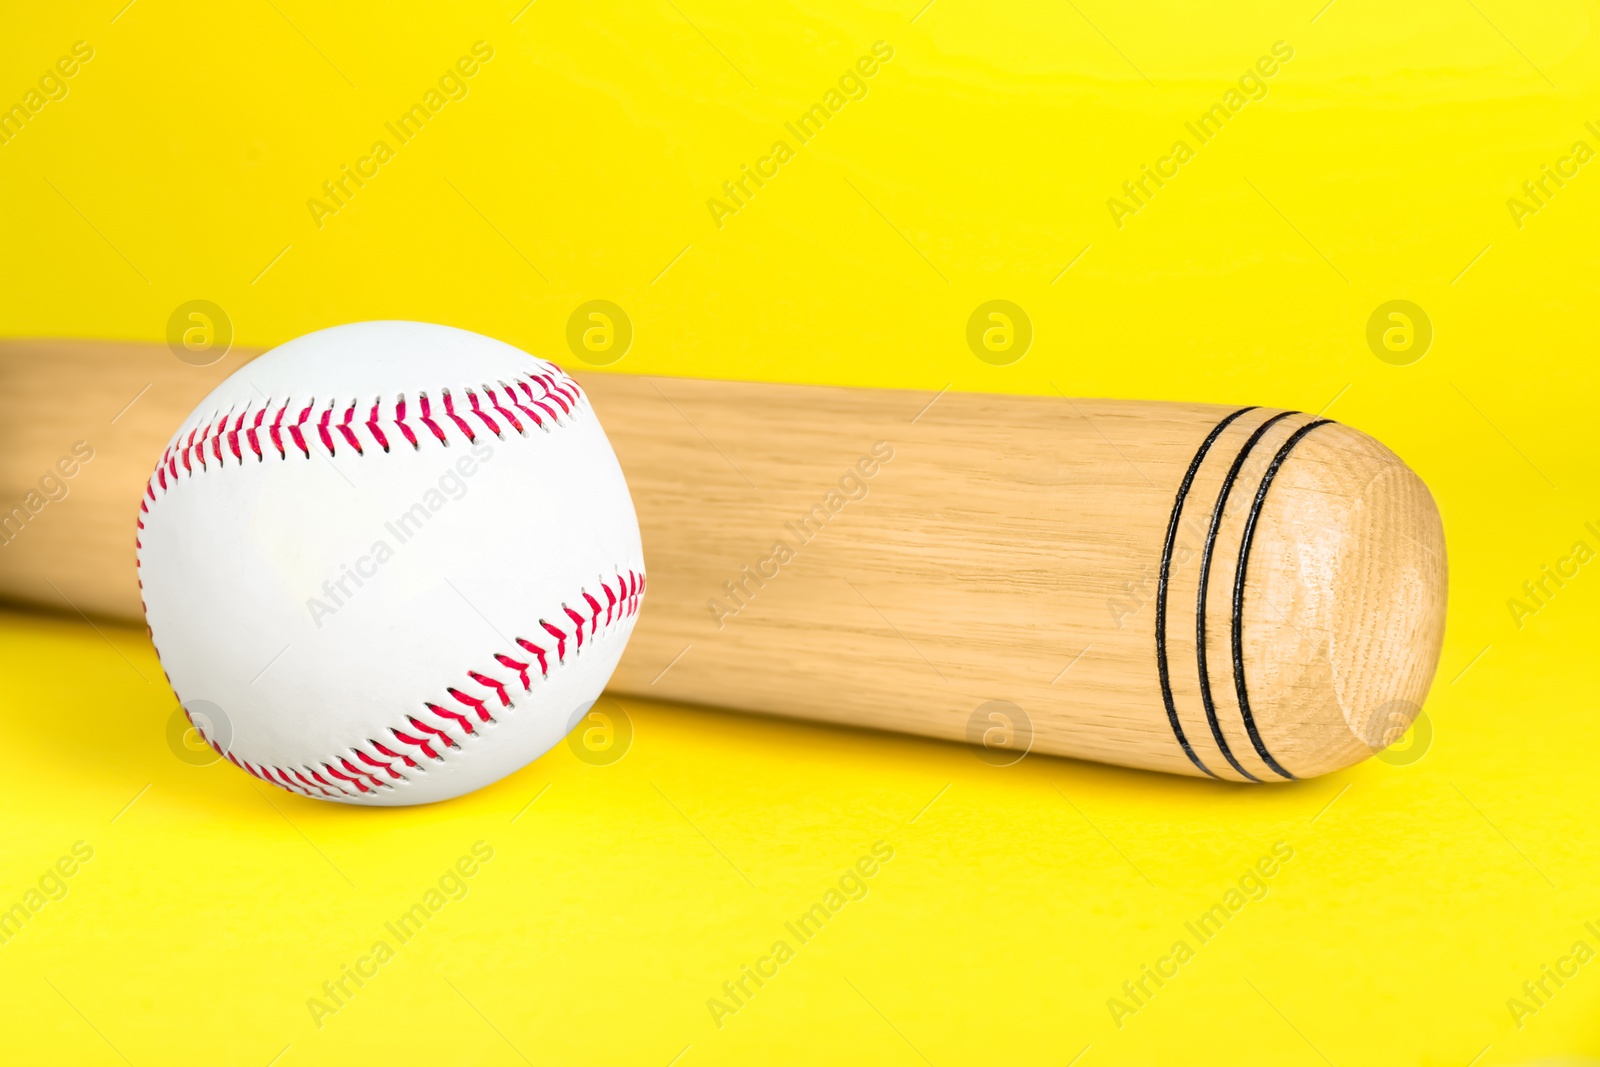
1241,593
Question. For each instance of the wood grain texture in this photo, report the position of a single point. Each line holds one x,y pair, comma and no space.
122,401
974,567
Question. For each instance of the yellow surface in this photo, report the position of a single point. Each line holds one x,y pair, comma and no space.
1420,896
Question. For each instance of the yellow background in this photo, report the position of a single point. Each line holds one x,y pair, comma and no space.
978,166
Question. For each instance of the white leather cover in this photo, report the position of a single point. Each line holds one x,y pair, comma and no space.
364,623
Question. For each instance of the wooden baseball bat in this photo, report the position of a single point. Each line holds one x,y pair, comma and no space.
1236,592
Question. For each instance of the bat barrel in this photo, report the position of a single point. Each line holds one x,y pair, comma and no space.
1249,594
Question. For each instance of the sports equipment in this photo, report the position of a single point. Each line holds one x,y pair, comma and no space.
1242,593
389,563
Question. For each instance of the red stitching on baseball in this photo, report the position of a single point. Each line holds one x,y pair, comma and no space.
359,773
533,415
427,419
567,386
450,412
345,777
516,665
535,401
372,425
472,400
529,646
542,396
277,778
282,781
434,740
349,434
409,762
400,421
364,758
418,742
575,617
200,446
553,391
445,713
477,705
250,434
295,435
275,431
494,401
322,428
561,641
567,381
318,788
233,436
449,742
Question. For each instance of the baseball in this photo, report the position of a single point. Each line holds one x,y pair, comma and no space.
389,562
